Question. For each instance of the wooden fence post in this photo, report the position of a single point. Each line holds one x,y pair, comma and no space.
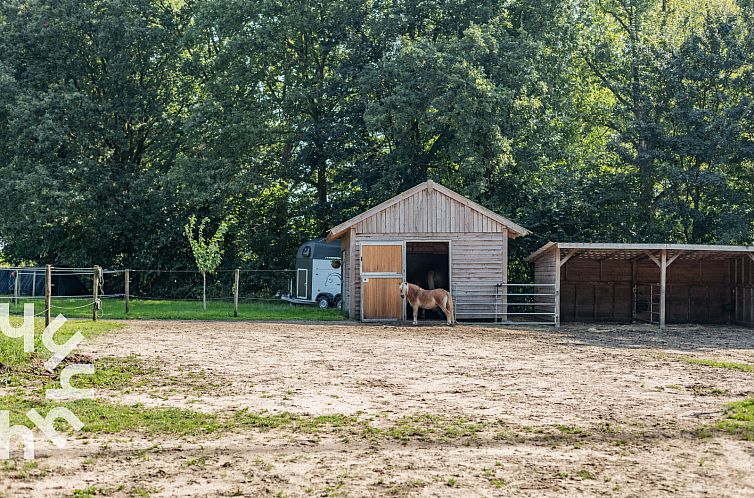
95,293
16,287
127,288
48,294
235,293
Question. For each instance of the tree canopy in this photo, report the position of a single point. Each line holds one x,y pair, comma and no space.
617,120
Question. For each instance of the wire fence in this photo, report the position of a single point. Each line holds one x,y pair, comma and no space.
149,293
184,285
73,292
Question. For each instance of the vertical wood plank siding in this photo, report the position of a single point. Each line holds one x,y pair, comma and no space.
428,212
478,247
545,273
712,290
478,262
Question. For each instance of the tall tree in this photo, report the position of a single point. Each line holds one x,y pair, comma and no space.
706,107
90,129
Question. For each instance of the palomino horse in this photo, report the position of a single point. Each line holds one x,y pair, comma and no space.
428,300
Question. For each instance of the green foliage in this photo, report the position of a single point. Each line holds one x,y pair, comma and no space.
208,252
620,120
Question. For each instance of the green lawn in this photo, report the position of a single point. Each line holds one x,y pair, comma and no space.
12,350
181,310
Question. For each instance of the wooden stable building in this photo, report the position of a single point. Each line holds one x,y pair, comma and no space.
429,236
657,283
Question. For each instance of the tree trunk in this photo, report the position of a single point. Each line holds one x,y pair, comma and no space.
323,218
204,290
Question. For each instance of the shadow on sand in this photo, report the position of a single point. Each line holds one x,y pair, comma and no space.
675,337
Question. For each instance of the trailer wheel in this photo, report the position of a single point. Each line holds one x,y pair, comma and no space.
323,303
339,304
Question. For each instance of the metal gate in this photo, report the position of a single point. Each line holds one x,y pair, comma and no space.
512,304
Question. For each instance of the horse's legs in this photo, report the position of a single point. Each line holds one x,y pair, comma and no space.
416,312
445,307
448,316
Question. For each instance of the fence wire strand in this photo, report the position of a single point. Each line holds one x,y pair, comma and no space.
23,284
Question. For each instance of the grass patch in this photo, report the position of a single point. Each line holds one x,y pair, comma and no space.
300,423
739,419
115,373
498,483
102,417
12,350
94,492
732,365
572,430
21,470
422,427
427,427
181,310
586,475
21,369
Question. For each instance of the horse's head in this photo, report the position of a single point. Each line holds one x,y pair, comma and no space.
404,289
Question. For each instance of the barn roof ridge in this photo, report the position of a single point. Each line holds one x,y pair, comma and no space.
340,229
638,247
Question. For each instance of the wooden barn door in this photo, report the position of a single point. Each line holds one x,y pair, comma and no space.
381,276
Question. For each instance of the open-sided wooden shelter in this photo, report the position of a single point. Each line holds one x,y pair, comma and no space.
426,230
658,283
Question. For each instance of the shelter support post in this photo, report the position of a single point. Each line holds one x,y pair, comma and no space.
559,262
663,262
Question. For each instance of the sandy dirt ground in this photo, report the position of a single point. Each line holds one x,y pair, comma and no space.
584,410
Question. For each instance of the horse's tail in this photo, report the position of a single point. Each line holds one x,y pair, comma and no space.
450,308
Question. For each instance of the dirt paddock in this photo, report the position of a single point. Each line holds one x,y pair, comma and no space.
463,411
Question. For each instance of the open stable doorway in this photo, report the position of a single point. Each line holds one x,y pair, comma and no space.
428,266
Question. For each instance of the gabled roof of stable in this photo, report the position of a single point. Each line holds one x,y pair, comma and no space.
617,250
338,231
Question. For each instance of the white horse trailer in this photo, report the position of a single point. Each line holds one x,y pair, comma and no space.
318,275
